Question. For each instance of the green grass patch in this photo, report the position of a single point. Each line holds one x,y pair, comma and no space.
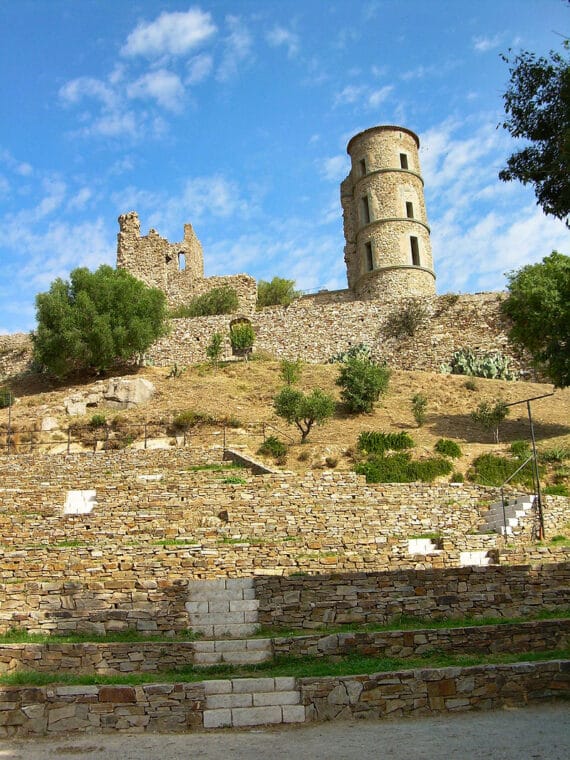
492,470
374,442
401,468
298,667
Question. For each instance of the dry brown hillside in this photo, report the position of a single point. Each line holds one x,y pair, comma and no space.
242,393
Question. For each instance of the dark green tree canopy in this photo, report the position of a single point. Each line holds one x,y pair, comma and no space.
538,304
537,104
96,319
277,292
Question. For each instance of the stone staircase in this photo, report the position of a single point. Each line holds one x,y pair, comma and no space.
505,521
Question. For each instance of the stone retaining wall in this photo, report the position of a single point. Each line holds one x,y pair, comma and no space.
31,710
115,658
131,599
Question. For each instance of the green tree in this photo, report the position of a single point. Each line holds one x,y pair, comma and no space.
95,320
362,383
537,104
304,410
242,338
538,305
277,292
290,371
419,407
222,300
489,416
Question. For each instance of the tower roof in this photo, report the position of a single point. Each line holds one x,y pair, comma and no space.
383,128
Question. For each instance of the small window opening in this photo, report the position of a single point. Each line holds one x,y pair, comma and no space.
409,209
415,251
181,262
403,161
368,257
362,167
365,210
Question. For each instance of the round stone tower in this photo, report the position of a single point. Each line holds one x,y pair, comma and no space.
388,249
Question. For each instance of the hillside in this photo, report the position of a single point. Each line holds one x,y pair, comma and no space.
241,394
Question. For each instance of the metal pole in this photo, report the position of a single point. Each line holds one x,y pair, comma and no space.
535,476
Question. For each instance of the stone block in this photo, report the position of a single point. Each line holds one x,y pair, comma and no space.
217,718
218,701
218,686
256,716
293,713
241,685
261,699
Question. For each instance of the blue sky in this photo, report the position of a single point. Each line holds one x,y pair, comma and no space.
235,116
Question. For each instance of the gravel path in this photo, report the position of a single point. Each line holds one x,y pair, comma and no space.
532,733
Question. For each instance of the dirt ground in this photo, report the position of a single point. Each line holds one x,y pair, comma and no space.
532,733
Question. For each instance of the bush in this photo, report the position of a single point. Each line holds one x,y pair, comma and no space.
493,366
557,490
419,406
222,300
520,449
377,443
277,292
214,348
242,338
492,470
273,447
190,418
95,320
401,468
97,421
555,455
457,477
360,351
6,398
362,383
407,318
448,448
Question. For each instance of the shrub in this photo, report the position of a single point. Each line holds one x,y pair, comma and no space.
457,477
331,462
97,421
242,338
214,348
555,455
304,410
520,449
557,490
407,318
6,398
493,366
362,383
470,385
492,470
272,447
401,468
277,292
190,418
448,448
360,351
291,371
419,406
377,443
222,300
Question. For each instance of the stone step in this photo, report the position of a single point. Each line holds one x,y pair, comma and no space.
223,607
234,652
240,702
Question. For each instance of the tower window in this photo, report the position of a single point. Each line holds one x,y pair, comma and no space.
369,261
409,209
403,161
362,167
181,262
365,210
414,245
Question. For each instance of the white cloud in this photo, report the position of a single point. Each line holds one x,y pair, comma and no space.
349,94
199,68
280,36
80,199
163,86
170,34
484,44
335,168
88,87
238,44
379,96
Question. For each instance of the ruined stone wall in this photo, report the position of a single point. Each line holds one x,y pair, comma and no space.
316,329
175,268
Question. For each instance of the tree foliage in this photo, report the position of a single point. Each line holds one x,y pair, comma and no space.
95,320
489,416
537,104
222,300
304,410
362,382
277,292
538,305
242,338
